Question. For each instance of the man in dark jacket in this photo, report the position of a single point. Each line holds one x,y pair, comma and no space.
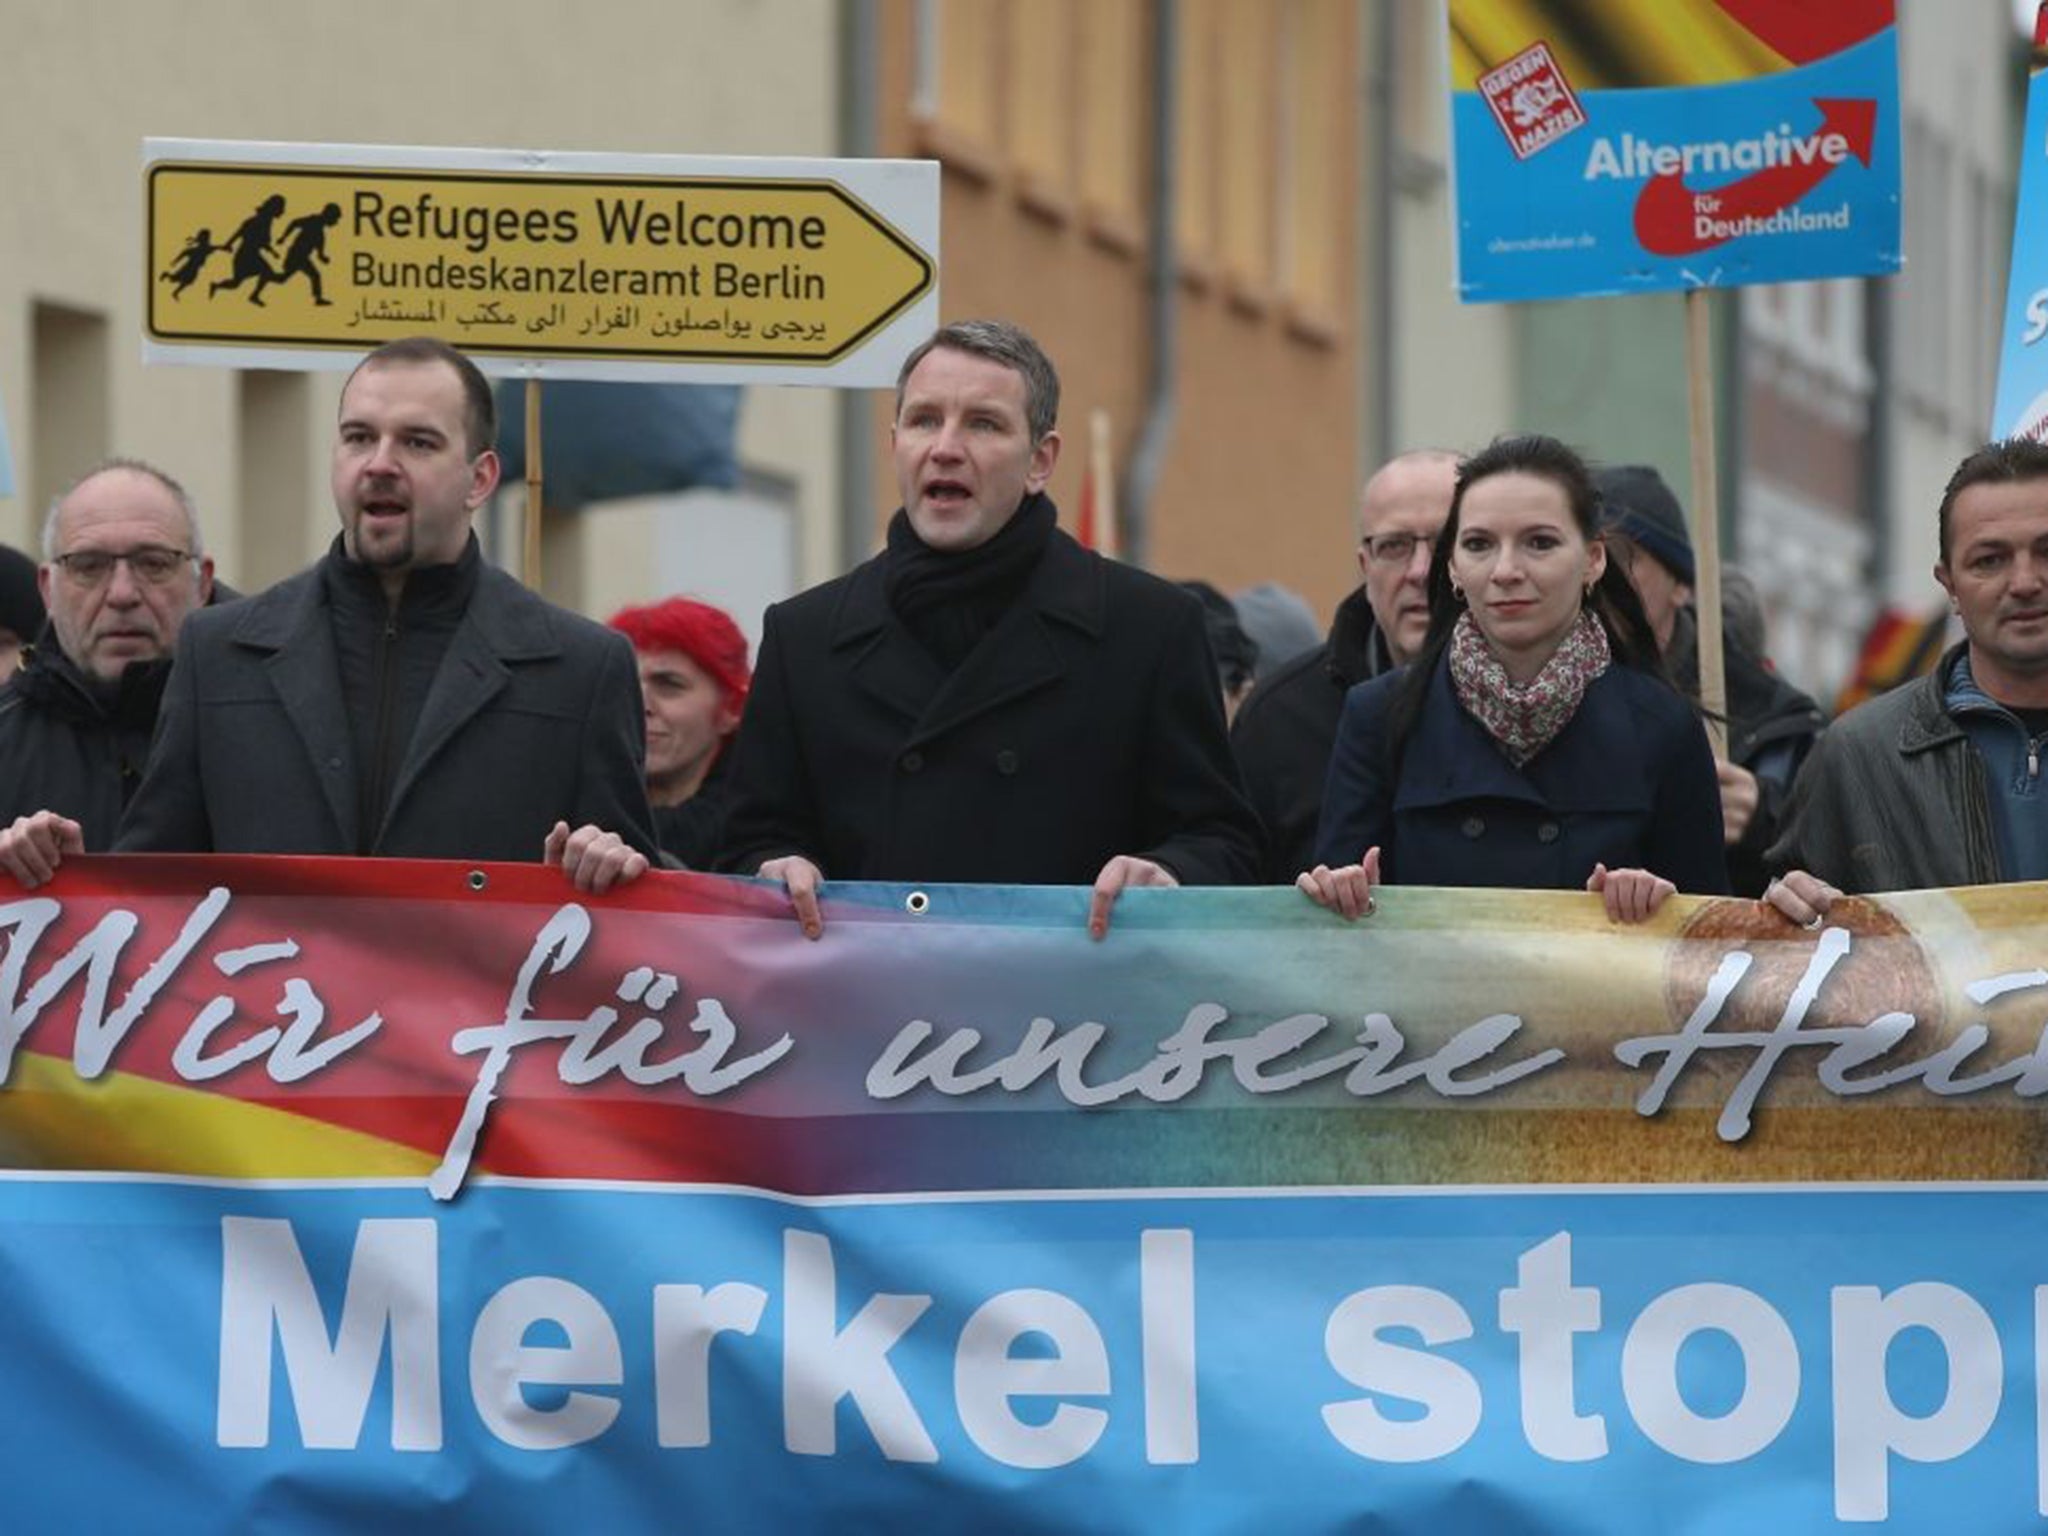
1771,725
123,568
1938,783
21,607
985,700
401,698
1284,732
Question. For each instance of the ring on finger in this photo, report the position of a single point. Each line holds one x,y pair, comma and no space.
1812,924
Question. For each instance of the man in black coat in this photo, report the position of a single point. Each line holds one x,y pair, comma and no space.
401,698
123,568
1285,731
985,700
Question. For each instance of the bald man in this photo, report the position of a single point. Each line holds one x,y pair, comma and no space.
122,568
1285,730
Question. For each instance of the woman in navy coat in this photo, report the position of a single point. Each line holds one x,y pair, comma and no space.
1535,742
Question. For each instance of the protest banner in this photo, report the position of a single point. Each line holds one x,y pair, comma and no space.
2020,408
420,1194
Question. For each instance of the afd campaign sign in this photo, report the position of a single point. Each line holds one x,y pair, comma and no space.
6,457
413,1196
2021,409
1603,149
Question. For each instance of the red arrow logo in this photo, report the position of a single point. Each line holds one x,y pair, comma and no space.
1668,211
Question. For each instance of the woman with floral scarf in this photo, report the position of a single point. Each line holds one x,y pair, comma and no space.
1535,741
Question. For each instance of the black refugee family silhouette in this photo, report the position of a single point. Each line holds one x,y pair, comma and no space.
253,244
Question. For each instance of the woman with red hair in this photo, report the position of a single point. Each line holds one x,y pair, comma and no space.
693,684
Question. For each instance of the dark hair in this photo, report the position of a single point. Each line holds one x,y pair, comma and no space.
999,342
1614,602
1236,653
479,410
2016,459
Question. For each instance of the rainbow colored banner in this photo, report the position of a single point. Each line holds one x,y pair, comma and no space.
425,1196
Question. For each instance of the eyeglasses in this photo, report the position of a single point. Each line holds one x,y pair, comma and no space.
1392,548
151,563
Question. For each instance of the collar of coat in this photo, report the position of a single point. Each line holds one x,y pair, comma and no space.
1066,587
513,623
51,681
1032,646
290,625
1596,763
1925,722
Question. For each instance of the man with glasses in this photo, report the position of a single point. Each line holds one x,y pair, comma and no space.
402,698
123,567
1285,730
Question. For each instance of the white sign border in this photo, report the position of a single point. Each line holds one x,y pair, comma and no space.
903,192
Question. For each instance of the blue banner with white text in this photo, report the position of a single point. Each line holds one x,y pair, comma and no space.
339,1194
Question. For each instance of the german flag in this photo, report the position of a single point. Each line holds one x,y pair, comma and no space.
1901,644
1628,44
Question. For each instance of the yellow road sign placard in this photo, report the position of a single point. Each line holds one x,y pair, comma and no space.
607,272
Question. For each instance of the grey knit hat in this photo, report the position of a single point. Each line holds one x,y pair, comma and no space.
1635,502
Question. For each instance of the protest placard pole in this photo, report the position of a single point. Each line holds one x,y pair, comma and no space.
529,565
1672,177
1706,531
1102,479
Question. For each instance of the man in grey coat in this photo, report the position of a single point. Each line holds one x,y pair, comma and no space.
1938,783
401,698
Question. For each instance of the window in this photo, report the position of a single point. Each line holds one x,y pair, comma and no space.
275,467
1195,148
69,389
1249,148
1042,129
1112,114
1315,130
958,86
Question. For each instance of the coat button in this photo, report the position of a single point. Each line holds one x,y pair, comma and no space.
1006,762
334,764
1474,827
1548,832
913,762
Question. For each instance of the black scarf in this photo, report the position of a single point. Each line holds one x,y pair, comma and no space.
949,599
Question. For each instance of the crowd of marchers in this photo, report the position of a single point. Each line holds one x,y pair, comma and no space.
1509,698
